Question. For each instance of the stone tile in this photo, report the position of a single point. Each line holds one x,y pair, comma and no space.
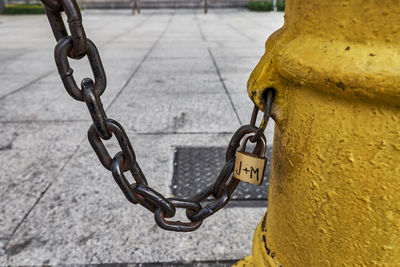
182,66
235,72
42,101
186,95
3,260
35,64
11,53
36,61
176,84
48,100
237,50
236,84
243,105
3,255
180,49
32,155
235,65
170,113
38,36
84,218
24,69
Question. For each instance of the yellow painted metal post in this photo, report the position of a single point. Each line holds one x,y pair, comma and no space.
334,195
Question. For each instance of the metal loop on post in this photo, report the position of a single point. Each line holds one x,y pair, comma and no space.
66,73
95,108
267,115
101,150
178,226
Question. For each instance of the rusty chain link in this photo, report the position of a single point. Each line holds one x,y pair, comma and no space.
74,19
76,46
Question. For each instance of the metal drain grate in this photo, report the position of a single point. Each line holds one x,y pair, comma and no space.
197,167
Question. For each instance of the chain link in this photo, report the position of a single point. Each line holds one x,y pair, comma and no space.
53,5
95,108
269,92
61,50
129,157
76,46
74,19
178,226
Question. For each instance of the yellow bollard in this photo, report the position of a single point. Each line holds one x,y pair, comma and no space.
334,195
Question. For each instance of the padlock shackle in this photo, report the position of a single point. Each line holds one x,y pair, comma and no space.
250,137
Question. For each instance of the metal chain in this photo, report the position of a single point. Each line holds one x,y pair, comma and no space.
76,46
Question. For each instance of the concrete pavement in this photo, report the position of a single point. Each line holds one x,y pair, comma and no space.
175,77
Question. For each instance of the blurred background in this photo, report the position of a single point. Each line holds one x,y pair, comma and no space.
33,6
176,80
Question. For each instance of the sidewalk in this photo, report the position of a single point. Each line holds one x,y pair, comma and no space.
175,78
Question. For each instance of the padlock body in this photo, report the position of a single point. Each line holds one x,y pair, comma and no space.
249,168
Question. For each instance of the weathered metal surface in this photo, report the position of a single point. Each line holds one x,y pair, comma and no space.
333,197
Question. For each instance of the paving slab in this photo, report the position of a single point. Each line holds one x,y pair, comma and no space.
33,154
176,84
34,33
48,100
165,113
32,66
12,53
179,48
235,71
239,63
35,64
182,66
3,255
178,105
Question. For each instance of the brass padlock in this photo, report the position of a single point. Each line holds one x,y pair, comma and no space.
250,167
